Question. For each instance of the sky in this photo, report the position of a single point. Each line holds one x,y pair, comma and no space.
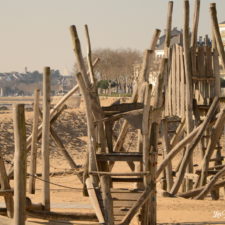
35,33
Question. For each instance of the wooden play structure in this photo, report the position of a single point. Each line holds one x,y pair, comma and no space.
186,97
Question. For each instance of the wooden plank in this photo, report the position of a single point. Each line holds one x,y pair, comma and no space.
119,156
120,211
124,107
178,79
20,165
170,106
173,85
45,139
129,180
123,203
182,84
216,74
129,196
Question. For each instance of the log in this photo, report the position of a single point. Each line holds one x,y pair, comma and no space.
33,160
107,199
45,139
20,165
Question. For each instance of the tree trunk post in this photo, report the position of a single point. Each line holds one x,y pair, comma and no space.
20,165
45,139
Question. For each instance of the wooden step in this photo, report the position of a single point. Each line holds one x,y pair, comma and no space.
119,156
127,179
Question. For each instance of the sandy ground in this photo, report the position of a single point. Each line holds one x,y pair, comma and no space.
71,127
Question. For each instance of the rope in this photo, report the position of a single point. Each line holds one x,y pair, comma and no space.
59,185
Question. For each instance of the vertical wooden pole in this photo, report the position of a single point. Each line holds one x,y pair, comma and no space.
107,200
194,35
189,94
216,30
166,145
45,139
34,143
168,28
20,165
153,168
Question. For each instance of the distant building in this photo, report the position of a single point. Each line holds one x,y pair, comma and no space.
175,38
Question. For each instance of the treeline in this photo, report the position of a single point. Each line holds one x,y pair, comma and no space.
115,71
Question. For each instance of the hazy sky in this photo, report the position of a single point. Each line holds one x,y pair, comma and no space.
35,33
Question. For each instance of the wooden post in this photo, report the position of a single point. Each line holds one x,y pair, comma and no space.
168,28
89,56
216,30
155,39
45,139
189,94
153,167
20,165
107,200
194,35
166,145
34,143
